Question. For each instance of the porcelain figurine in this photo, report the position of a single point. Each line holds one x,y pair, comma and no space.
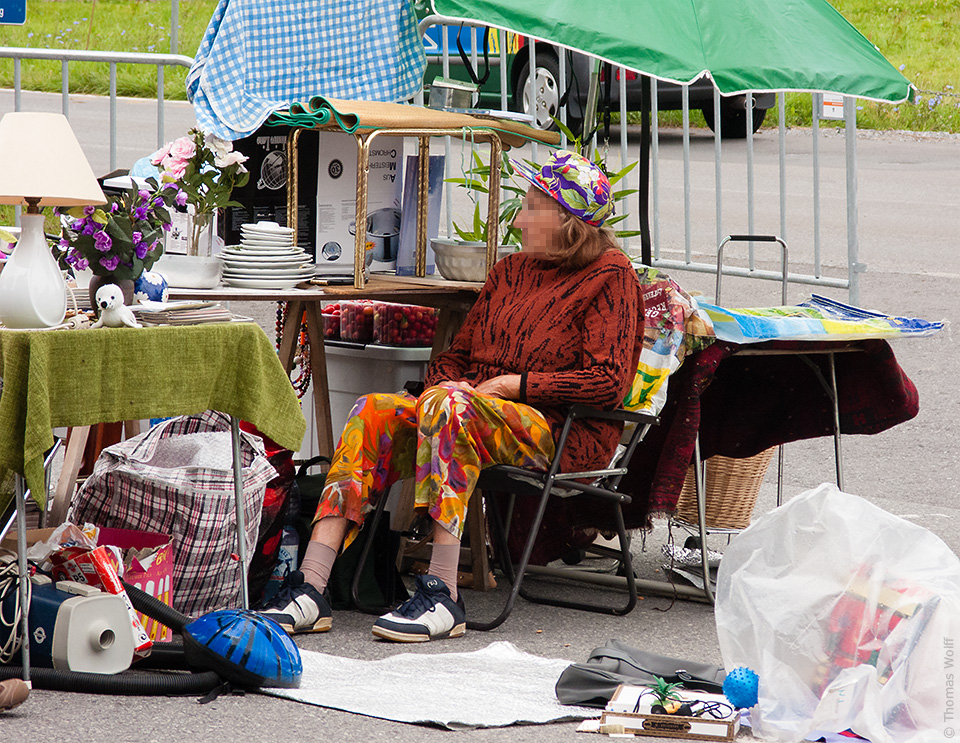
113,312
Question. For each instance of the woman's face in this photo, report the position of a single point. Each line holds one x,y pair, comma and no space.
539,222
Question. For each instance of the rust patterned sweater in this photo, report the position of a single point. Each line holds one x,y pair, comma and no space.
574,336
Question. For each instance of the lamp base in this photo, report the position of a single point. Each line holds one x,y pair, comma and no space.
33,293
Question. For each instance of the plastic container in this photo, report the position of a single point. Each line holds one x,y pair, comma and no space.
331,322
356,321
354,370
403,324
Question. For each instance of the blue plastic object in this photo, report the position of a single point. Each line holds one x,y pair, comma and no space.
244,648
741,687
151,286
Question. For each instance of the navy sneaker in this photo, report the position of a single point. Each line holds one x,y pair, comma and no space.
430,614
298,607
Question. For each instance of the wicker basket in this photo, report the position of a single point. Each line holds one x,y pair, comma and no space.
732,489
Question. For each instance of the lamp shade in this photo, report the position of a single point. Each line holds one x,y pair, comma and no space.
41,164
41,158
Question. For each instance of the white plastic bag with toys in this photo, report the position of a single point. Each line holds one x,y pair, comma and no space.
851,618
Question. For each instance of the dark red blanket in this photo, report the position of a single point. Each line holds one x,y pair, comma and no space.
742,405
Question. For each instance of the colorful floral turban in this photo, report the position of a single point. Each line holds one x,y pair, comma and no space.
576,183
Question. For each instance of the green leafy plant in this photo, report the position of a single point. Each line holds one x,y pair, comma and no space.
124,237
477,180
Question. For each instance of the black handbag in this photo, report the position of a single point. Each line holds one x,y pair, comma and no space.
593,683
380,583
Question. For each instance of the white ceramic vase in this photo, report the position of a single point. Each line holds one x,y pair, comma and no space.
33,293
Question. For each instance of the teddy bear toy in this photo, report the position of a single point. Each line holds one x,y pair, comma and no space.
113,312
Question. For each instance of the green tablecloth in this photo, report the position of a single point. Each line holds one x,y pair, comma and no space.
81,377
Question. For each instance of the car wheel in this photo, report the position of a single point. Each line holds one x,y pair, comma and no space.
733,119
541,99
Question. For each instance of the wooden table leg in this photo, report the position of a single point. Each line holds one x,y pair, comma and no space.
290,333
72,460
477,529
326,442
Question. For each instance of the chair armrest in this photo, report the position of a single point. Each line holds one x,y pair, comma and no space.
579,410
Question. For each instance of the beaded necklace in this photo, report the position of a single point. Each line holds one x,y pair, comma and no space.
301,357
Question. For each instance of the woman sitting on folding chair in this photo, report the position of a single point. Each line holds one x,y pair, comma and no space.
556,323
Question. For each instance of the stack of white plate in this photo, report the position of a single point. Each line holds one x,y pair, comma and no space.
265,259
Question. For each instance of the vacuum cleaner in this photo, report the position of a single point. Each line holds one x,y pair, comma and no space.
78,629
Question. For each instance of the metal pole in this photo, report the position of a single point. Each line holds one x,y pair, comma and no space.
447,165
16,85
23,586
113,116
815,131
782,126
701,488
238,506
65,88
504,103
423,202
563,86
624,154
174,24
717,162
853,248
751,186
685,101
655,165
360,239
159,106
590,110
643,192
838,454
532,80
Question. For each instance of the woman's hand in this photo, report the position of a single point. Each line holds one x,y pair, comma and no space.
506,387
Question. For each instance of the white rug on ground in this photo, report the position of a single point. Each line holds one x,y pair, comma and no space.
499,685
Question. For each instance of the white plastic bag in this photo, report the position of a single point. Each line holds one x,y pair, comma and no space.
850,616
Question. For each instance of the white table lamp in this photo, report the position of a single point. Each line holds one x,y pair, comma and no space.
41,164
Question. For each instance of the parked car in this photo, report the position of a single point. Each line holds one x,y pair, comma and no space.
525,91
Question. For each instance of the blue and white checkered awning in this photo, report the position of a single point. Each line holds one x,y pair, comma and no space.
258,56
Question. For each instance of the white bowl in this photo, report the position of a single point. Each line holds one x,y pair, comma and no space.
189,271
464,261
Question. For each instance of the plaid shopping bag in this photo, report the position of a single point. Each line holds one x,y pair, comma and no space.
177,479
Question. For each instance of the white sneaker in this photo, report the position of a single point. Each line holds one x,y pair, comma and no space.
430,614
298,607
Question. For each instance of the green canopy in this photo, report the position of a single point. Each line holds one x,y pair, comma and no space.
743,45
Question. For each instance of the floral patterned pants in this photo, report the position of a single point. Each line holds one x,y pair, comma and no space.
443,439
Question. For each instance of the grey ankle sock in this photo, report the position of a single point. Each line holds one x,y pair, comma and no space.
444,560
317,564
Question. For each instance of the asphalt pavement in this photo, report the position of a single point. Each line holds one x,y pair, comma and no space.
909,225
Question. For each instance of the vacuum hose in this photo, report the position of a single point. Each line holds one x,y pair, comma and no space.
165,656
128,683
156,609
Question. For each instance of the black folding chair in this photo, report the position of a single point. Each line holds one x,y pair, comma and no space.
600,484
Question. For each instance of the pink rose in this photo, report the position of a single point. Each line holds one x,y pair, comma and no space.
181,150
175,170
157,157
